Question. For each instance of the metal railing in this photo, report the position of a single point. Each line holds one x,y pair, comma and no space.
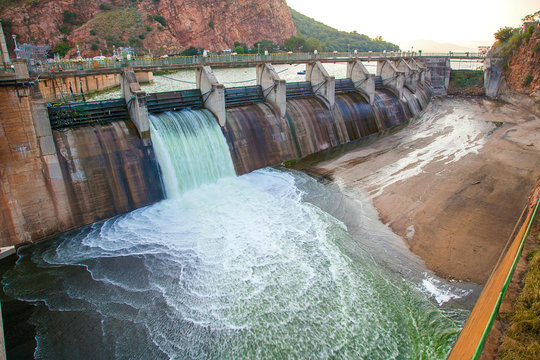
171,61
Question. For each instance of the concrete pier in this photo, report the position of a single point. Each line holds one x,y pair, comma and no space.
136,100
274,88
213,93
323,84
392,78
363,81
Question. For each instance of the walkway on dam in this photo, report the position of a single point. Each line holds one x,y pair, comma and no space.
474,334
188,62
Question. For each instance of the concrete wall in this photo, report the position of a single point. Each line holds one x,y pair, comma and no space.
32,192
53,88
439,73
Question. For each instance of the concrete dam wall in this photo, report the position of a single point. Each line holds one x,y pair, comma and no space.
59,176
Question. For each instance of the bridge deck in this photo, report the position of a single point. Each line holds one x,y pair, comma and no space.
91,67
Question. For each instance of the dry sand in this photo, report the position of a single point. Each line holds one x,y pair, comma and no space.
452,183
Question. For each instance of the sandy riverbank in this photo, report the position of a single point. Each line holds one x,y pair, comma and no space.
452,183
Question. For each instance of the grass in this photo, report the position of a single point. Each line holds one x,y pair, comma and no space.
466,78
522,340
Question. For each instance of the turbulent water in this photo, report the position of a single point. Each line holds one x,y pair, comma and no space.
268,265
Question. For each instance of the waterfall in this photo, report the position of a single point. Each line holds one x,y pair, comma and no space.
191,150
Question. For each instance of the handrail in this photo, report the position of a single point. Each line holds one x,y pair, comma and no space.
507,281
478,325
197,60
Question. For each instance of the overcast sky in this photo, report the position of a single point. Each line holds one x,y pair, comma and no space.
401,20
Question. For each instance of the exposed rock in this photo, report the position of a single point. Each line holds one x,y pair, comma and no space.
525,62
208,24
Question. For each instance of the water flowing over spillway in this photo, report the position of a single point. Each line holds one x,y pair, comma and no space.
249,267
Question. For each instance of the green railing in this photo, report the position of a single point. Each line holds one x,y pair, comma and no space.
507,281
88,64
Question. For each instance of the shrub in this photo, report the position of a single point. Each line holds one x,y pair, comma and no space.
504,33
160,19
192,50
61,48
104,7
70,17
94,47
211,24
511,46
141,36
528,34
64,29
93,32
536,48
527,81
148,28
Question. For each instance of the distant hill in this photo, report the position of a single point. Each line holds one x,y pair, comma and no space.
433,46
335,40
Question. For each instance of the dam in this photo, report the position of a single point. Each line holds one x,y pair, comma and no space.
232,258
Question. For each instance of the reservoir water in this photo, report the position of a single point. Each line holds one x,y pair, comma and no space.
269,265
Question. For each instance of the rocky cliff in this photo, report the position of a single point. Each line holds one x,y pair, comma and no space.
162,26
523,73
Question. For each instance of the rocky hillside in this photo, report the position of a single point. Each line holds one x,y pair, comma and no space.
162,26
523,73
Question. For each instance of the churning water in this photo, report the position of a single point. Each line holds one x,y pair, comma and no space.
249,267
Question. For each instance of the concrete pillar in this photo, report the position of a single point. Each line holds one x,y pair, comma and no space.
2,341
136,101
363,81
4,59
392,78
21,68
420,70
492,78
274,89
323,84
411,79
144,76
213,93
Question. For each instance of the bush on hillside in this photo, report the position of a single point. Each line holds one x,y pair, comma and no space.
527,81
61,48
504,33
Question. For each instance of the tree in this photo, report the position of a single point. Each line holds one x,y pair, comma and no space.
295,42
532,17
504,33
239,49
61,48
313,44
190,51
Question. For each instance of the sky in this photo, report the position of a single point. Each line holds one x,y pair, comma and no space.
399,20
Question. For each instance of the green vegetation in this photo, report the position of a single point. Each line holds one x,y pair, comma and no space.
503,34
191,51
211,24
522,340
466,78
115,25
93,32
265,45
528,80
160,19
331,39
61,48
104,7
